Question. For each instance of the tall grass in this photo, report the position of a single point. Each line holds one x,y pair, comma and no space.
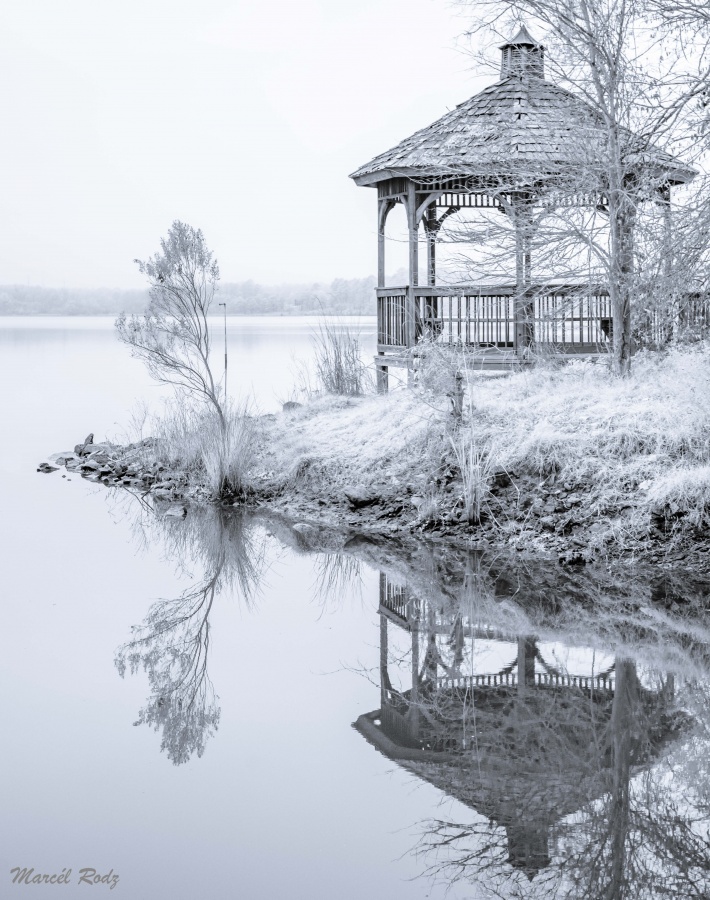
194,441
228,453
475,462
339,365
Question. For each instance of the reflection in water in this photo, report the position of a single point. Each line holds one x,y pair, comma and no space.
567,755
172,644
568,713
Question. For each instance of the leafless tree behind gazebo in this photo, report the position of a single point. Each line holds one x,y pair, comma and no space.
582,181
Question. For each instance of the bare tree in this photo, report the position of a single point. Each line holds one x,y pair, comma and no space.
172,337
637,74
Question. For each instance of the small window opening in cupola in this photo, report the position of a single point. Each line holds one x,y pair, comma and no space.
522,56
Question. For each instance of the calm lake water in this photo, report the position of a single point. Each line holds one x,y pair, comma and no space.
178,696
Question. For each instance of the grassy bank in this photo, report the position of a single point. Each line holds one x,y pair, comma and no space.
566,460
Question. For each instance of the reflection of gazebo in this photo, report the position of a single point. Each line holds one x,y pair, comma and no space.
519,145
525,744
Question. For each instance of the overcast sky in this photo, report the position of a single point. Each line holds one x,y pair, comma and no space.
241,117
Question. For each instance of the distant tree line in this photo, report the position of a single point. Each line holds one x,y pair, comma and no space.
343,296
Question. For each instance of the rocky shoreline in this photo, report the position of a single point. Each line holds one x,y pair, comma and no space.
124,466
558,520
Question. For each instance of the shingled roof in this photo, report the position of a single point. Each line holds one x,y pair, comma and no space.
523,125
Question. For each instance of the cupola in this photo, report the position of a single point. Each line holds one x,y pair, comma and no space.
522,55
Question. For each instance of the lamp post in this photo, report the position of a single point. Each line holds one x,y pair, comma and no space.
225,350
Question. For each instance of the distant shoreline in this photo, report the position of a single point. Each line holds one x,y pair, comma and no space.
230,315
340,297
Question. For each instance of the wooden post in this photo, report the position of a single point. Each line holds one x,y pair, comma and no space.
457,398
431,231
523,336
667,327
410,318
383,210
382,374
383,656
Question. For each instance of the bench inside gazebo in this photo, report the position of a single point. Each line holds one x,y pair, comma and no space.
514,148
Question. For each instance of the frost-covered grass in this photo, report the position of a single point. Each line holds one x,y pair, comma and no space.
649,433
645,438
334,441
580,418
683,490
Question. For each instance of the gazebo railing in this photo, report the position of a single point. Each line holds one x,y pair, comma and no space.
484,318
391,317
571,316
542,679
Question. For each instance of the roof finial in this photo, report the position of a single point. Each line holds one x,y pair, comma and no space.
522,55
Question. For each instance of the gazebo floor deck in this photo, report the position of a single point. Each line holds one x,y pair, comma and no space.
489,359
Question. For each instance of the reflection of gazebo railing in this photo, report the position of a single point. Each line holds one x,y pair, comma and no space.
541,679
400,607
394,599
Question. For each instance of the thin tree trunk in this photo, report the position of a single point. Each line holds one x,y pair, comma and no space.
622,215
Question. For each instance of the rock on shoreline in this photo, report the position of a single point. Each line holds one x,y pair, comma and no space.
127,466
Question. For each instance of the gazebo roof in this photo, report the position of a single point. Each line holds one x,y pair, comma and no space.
522,127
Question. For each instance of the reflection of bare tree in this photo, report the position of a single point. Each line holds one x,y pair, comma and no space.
579,783
674,860
172,645
604,820
643,838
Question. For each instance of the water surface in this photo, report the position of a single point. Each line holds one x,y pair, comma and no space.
520,731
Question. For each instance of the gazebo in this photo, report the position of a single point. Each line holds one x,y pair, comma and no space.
517,146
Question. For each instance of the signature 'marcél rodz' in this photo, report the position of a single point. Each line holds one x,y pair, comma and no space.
86,876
